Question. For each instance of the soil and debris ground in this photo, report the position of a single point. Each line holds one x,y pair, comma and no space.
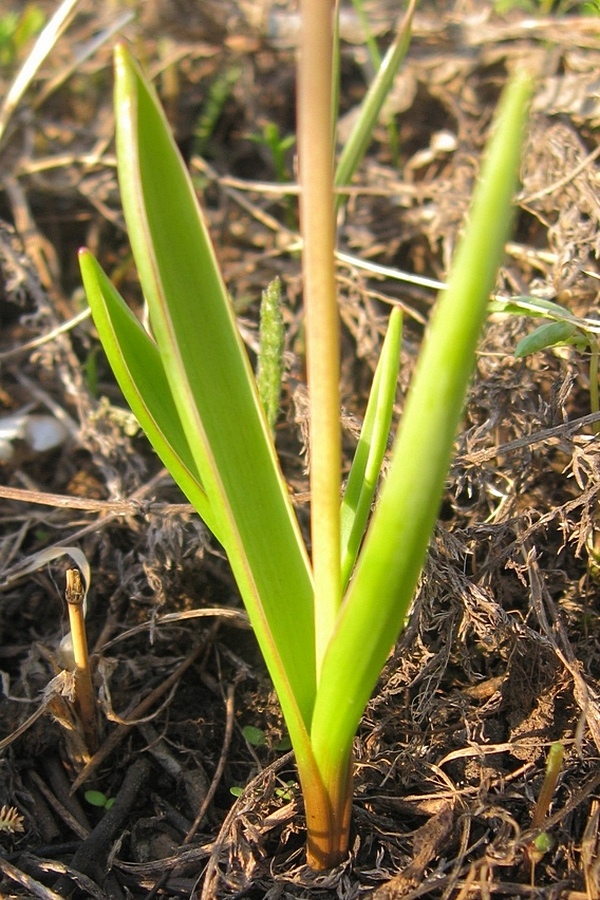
501,657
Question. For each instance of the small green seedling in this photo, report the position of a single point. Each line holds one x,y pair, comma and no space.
97,798
283,793
255,736
219,93
543,842
278,146
16,29
11,821
562,330
325,621
287,791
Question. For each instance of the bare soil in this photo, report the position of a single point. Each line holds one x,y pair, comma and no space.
500,658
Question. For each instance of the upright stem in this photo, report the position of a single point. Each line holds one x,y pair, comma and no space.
594,401
84,691
315,155
328,805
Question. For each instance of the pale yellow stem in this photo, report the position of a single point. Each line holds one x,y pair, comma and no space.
315,155
84,692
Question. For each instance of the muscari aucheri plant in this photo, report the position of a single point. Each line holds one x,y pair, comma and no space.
326,622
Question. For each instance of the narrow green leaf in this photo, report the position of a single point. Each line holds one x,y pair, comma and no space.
362,132
530,306
388,567
366,466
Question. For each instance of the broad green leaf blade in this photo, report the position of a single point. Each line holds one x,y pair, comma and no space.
548,335
136,363
388,567
214,392
366,465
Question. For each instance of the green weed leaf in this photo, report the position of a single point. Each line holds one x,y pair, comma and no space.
255,736
552,334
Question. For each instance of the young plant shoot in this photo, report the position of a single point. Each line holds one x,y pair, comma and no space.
324,625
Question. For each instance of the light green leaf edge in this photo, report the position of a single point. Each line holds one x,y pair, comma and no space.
370,450
379,596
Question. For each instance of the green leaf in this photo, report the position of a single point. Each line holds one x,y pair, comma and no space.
137,365
254,736
211,390
362,132
378,598
543,843
530,306
96,798
366,465
549,335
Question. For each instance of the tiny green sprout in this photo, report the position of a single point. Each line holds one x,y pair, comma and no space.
255,736
218,95
553,766
563,330
17,29
278,146
97,798
11,821
543,843
286,792
236,790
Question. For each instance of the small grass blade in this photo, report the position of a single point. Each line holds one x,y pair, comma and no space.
356,145
366,466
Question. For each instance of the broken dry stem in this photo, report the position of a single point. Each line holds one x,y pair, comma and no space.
84,692
553,767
